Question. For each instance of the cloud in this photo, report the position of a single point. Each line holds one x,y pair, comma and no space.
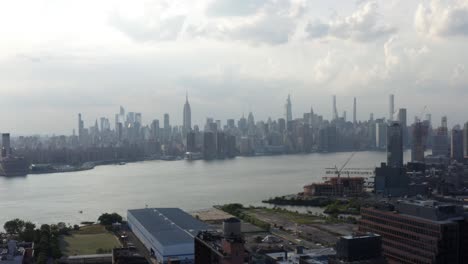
271,29
226,8
363,26
442,18
256,22
152,21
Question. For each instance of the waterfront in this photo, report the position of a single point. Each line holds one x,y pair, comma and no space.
49,198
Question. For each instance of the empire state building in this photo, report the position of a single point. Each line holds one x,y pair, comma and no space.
187,125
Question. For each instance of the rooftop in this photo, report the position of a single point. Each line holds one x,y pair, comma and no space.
363,235
169,225
312,256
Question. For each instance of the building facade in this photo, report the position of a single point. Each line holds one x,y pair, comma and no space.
419,232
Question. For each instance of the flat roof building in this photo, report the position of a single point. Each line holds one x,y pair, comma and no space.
168,233
221,248
419,231
358,249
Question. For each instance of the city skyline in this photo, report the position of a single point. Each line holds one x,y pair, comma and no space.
146,55
187,121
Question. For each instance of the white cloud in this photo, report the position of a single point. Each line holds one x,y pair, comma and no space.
442,18
363,25
223,8
255,22
149,20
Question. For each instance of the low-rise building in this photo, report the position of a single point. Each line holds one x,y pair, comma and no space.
358,249
337,186
167,233
221,248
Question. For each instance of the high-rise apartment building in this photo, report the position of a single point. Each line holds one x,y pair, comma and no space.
402,118
456,145
419,142
440,141
394,145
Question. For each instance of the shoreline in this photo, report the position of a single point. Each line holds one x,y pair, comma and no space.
92,165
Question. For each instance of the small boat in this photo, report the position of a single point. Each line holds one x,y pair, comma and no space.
122,163
80,211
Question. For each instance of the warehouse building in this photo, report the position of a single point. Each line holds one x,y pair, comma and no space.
168,233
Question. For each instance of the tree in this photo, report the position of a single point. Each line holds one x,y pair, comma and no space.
14,226
27,234
108,219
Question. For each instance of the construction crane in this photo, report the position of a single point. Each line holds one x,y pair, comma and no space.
421,115
338,172
367,172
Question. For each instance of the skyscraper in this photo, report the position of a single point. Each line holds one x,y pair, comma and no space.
167,128
394,145
465,140
288,107
6,147
402,119
354,111
456,144
440,141
391,107
80,128
335,110
419,142
187,122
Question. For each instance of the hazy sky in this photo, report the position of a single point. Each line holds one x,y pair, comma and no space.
59,58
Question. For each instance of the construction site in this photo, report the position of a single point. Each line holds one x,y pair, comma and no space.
339,186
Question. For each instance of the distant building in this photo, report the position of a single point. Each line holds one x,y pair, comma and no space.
288,110
231,150
391,107
191,145
354,111
381,134
167,128
80,129
419,142
423,232
465,140
456,145
167,233
209,145
187,118
402,119
6,145
221,248
220,145
440,141
394,145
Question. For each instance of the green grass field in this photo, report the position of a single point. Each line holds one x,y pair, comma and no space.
88,240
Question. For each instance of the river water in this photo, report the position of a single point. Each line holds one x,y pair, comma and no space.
51,198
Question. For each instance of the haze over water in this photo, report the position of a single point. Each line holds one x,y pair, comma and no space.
51,198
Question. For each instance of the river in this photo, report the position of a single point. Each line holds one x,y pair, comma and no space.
51,198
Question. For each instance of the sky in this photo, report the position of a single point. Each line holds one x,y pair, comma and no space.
59,58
